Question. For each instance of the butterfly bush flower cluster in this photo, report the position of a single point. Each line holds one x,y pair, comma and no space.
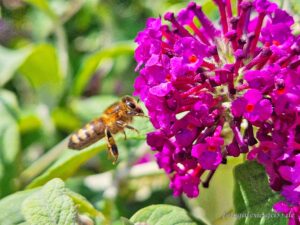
239,78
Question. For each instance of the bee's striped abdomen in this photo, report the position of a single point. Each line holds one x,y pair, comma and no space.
87,135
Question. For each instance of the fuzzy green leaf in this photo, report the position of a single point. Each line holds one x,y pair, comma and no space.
10,207
162,215
253,198
50,205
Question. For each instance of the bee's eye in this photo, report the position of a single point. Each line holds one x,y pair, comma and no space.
131,105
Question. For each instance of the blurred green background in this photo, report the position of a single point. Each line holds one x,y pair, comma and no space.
62,63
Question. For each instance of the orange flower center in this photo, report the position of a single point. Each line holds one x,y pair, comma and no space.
193,58
168,77
280,91
264,148
212,148
250,107
277,43
190,127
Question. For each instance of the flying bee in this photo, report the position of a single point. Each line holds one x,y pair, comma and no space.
113,120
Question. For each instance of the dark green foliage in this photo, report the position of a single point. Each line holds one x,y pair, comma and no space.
253,198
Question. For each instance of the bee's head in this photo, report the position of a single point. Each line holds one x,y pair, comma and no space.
132,106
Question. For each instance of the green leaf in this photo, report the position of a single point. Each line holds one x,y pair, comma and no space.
10,61
10,207
9,142
39,64
92,62
43,6
42,70
126,221
67,165
59,32
83,205
29,121
162,215
50,205
253,198
65,120
294,7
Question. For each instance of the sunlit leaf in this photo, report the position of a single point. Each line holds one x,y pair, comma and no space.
65,120
50,205
37,63
294,5
253,198
10,61
42,70
162,215
211,10
29,122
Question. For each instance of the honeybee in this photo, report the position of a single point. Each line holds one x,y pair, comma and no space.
113,120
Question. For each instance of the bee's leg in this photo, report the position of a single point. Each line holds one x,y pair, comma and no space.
143,115
125,125
111,144
138,114
132,128
125,137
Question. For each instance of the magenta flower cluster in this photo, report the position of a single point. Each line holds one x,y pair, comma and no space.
239,79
